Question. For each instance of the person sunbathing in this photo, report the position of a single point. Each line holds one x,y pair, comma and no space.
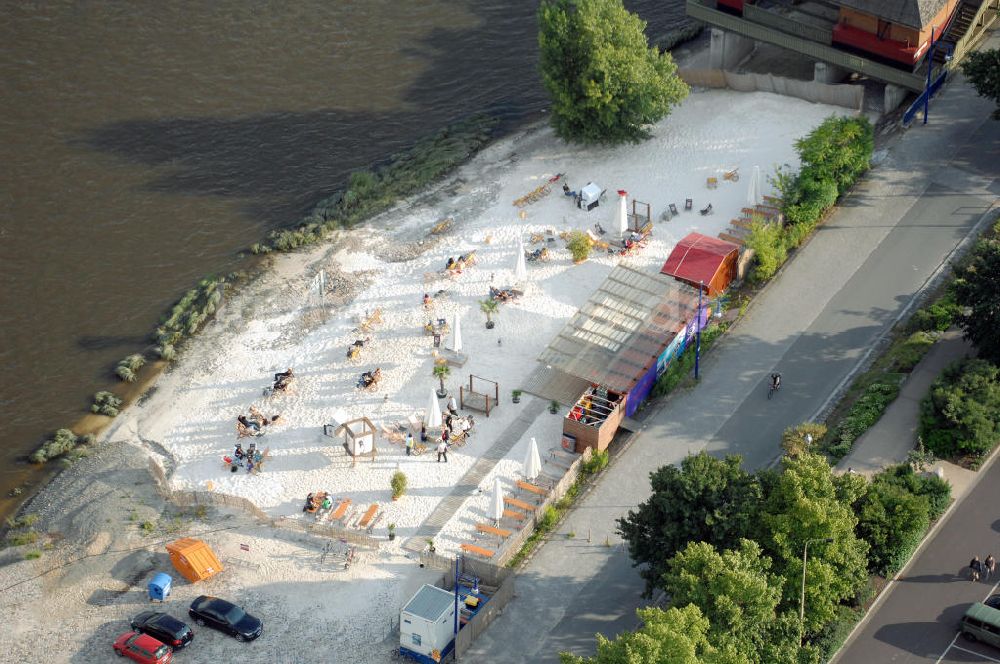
369,378
283,379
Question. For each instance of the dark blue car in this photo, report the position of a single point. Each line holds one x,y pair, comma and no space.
225,617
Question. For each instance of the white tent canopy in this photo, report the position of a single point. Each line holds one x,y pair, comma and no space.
532,461
520,269
754,197
456,334
621,218
496,505
432,416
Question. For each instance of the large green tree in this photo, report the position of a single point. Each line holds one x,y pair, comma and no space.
705,500
982,68
977,286
738,593
674,636
804,504
605,82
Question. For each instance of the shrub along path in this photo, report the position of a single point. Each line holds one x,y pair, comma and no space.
894,435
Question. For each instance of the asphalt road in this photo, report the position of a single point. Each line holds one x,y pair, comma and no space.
814,323
917,620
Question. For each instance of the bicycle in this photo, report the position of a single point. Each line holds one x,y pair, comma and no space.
775,386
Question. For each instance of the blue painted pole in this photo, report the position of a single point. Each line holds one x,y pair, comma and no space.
930,66
456,596
697,346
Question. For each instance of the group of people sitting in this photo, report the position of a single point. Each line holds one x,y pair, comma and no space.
283,380
503,294
370,379
254,424
251,458
355,349
317,501
459,264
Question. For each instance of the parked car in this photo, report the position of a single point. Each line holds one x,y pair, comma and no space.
143,648
993,601
163,627
225,617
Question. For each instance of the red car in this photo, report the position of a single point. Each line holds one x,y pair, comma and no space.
143,648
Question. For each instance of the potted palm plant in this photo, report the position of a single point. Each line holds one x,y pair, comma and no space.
392,531
515,396
441,371
553,406
488,307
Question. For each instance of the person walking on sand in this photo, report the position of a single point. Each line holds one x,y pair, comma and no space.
452,406
989,566
409,443
976,565
442,451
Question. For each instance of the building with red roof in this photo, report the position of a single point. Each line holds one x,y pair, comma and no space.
702,260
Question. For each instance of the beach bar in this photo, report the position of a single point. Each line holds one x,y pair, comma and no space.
613,347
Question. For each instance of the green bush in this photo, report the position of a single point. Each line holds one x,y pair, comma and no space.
865,412
839,151
892,518
938,316
398,484
835,633
768,245
812,197
681,367
961,413
793,440
579,246
597,462
903,355
127,369
62,442
106,403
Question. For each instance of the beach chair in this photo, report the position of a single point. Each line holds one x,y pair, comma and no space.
732,176
514,514
519,504
688,203
527,486
478,550
368,516
712,183
705,211
492,530
340,511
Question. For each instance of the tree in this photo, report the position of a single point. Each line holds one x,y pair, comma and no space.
674,636
982,68
961,413
839,150
977,286
706,499
803,504
604,80
740,596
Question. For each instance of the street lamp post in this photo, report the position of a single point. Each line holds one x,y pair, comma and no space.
930,66
697,346
802,600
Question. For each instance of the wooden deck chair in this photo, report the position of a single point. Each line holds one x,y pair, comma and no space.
368,516
478,550
340,511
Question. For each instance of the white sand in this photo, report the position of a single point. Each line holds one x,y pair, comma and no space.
274,325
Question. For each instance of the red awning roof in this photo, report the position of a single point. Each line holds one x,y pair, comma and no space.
697,258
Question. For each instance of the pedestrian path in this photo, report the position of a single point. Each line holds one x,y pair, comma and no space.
890,440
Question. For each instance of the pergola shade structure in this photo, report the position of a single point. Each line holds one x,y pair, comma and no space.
621,330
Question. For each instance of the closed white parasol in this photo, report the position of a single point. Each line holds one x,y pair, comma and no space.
622,219
532,462
496,510
520,270
754,197
456,335
432,416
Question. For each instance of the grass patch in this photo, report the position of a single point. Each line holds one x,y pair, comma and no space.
32,555
21,539
147,527
63,442
106,403
864,412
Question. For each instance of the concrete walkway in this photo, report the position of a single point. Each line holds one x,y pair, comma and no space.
815,323
895,434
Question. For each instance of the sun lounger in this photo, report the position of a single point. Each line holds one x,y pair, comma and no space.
513,514
688,203
527,486
491,530
519,504
340,511
368,516
478,550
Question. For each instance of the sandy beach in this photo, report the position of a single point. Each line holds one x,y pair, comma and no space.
187,422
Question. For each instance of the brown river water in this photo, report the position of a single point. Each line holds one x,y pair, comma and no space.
144,144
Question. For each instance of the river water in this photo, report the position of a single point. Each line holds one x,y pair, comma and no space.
144,144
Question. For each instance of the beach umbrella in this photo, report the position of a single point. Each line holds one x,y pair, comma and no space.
532,462
496,506
432,416
456,335
622,218
520,270
754,197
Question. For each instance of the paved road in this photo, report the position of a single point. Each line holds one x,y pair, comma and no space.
916,621
813,323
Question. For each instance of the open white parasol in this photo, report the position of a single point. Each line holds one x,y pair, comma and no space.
520,270
496,505
754,197
456,335
432,416
621,220
532,462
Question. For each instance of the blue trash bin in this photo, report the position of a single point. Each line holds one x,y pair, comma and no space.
159,587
